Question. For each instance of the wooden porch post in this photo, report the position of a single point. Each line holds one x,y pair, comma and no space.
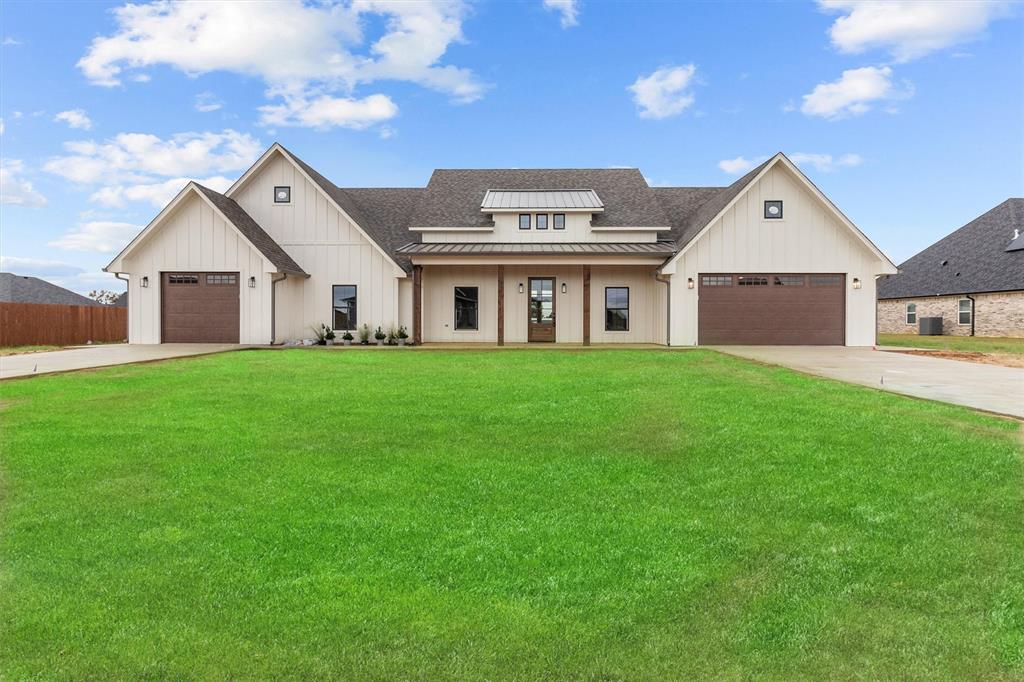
586,305
501,305
417,304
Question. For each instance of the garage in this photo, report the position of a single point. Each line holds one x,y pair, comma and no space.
199,307
771,309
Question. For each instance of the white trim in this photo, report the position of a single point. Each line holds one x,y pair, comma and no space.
542,209
782,158
451,229
167,210
276,147
608,228
960,300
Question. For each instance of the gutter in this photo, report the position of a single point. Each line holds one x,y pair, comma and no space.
667,280
273,306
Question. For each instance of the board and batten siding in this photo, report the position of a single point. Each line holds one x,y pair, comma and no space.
506,230
327,246
194,238
809,239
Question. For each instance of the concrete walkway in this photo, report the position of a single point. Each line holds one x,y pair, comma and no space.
86,357
984,387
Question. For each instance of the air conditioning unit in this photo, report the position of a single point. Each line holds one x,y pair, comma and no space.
929,326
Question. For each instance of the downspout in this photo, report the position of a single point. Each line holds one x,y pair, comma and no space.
971,299
668,305
273,306
129,286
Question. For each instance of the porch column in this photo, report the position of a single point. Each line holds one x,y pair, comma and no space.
417,304
501,305
586,305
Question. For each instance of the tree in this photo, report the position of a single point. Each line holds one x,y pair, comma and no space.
105,297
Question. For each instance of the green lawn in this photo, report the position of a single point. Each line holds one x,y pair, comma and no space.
502,515
980,344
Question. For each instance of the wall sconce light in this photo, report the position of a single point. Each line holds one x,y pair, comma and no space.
144,282
856,283
564,288
520,287
689,282
252,282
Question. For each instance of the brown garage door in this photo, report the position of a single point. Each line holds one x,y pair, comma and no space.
763,309
199,307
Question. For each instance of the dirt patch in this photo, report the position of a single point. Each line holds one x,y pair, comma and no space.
970,356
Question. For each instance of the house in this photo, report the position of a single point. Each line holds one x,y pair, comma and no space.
22,289
973,279
504,256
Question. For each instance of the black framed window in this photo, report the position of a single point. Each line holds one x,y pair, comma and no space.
616,309
524,221
345,316
751,281
282,194
542,221
773,209
911,313
559,221
183,279
965,310
467,308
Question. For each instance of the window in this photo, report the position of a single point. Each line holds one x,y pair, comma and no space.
965,311
748,281
559,220
282,195
789,280
911,313
467,306
220,279
616,309
716,280
524,221
183,279
542,221
826,280
345,306
773,210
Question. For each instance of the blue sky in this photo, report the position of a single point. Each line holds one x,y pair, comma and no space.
909,115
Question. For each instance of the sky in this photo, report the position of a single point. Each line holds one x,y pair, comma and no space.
908,115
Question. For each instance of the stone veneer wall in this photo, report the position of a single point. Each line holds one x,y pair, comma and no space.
999,314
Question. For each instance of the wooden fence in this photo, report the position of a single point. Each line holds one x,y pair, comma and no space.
38,324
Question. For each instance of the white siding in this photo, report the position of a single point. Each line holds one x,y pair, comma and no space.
195,238
506,230
809,239
328,247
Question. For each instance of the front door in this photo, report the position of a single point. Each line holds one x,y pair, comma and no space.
542,309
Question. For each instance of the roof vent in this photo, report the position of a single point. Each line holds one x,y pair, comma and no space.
1017,243
943,262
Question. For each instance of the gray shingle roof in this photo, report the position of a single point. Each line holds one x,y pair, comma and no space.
387,212
253,232
22,289
973,259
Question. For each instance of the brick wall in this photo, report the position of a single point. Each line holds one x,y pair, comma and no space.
999,314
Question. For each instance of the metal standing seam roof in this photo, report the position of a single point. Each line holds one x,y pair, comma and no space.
497,199
529,248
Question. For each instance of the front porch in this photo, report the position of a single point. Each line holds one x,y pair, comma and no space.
538,303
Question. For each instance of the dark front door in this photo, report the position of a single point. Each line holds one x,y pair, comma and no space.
199,307
542,309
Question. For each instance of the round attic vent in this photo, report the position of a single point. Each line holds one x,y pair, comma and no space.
943,262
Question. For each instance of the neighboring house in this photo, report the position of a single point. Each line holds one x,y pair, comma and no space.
21,289
504,256
122,300
973,279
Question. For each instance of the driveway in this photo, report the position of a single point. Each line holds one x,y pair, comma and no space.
983,387
85,357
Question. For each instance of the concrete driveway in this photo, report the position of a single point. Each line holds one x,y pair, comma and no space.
984,387
86,357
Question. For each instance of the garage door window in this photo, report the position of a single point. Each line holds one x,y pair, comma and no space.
748,281
616,309
911,313
716,281
183,279
345,317
789,280
826,280
220,279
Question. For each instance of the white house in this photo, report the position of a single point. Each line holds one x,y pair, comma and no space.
504,256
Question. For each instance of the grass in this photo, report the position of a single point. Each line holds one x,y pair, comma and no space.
18,350
980,344
502,515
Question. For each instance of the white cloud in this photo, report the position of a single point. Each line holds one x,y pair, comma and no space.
35,267
12,41
569,9
664,92
856,91
75,118
137,157
97,236
1,126
15,189
740,164
825,163
305,52
158,194
909,29
206,101
326,112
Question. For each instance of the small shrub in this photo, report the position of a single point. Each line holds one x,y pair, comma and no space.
364,334
379,334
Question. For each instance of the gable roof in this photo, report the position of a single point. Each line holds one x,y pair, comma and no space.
973,259
23,289
453,197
